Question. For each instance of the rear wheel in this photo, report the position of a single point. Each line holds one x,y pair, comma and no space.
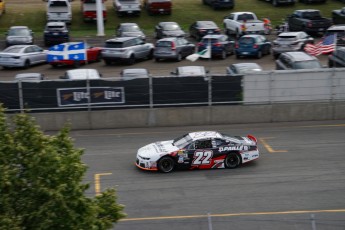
232,161
166,164
131,60
223,55
76,64
259,55
179,57
26,64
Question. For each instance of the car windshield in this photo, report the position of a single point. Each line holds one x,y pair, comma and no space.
171,26
312,15
13,49
211,40
130,29
247,40
183,141
19,32
340,33
113,44
307,65
163,44
207,24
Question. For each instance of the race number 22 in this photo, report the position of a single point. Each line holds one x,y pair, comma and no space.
202,157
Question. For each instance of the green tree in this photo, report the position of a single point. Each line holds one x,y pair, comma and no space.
41,181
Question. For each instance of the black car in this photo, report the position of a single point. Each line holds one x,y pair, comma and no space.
297,60
201,28
291,41
55,33
220,4
221,45
168,29
337,58
338,16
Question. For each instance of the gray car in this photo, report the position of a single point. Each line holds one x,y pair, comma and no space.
19,35
168,29
173,48
127,7
133,73
22,56
129,29
297,60
128,49
190,71
290,41
242,68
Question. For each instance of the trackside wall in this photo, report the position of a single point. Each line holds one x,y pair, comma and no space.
183,116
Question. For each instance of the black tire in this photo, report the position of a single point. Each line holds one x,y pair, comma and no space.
131,60
76,64
157,59
166,164
223,55
107,62
179,57
150,56
26,64
99,57
232,161
259,55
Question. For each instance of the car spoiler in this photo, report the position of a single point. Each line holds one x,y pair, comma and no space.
251,137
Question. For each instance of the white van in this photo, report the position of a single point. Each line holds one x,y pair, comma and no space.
59,10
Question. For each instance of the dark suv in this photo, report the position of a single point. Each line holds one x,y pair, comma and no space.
291,41
127,49
337,58
219,4
201,28
221,45
297,60
55,33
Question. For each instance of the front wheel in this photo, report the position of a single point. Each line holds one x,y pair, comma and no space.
166,164
232,161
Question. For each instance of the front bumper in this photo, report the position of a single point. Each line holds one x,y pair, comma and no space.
146,164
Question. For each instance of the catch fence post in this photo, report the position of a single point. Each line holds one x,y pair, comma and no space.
20,94
313,224
209,221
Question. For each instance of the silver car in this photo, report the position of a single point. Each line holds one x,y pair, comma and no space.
19,35
190,71
242,68
133,73
128,49
22,56
173,48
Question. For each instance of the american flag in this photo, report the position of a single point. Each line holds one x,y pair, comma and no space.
325,46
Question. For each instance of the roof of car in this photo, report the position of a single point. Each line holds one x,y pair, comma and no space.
307,10
337,27
299,56
290,33
213,36
19,27
128,24
248,66
29,76
120,39
56,23
81,74
205,135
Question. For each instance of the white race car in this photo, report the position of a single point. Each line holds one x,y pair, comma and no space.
203,150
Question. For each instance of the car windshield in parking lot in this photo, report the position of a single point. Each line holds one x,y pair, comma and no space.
130,28
13,49
247,40
171,26
307,65
19,32
113,44
163,44
286,38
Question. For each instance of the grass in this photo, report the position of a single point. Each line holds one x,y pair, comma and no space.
184,12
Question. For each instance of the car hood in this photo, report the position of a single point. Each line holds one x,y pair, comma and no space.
157,149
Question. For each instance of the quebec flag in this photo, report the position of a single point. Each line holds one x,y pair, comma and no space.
67,51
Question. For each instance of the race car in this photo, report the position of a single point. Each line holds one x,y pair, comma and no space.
198,150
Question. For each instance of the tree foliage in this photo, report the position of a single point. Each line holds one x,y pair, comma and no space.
41,181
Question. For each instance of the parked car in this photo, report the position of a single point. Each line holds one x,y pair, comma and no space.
312,1
158,6
81,74
55,33
281,2
173,48
134,73
219,4
19,35
309,21
128,49
291,41
129,29
59,10
241,23
190,71
297,60
339,30
73,54
199,29
168,29
242,68
252,45
221,45
29,77
337,58
22,56
338,16
127,7
89,10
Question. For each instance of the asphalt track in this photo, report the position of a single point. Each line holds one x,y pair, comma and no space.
298,182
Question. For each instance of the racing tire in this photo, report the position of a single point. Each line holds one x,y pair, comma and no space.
26,64
232,161
166,164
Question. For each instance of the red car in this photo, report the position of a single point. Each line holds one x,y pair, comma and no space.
73,53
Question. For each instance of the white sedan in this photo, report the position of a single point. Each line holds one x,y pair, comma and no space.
22,56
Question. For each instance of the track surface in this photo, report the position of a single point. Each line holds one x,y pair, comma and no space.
301,172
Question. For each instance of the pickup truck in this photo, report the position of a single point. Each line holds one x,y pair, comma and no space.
127,7
241,23
89,10
309,21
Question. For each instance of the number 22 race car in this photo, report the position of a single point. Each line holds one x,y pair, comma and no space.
198,150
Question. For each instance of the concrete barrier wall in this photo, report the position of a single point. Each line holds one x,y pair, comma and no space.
188,116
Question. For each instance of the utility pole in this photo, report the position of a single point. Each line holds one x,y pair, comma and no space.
100,21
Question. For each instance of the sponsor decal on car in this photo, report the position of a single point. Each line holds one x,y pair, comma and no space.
229,148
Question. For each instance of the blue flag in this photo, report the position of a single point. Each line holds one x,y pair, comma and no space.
67,51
